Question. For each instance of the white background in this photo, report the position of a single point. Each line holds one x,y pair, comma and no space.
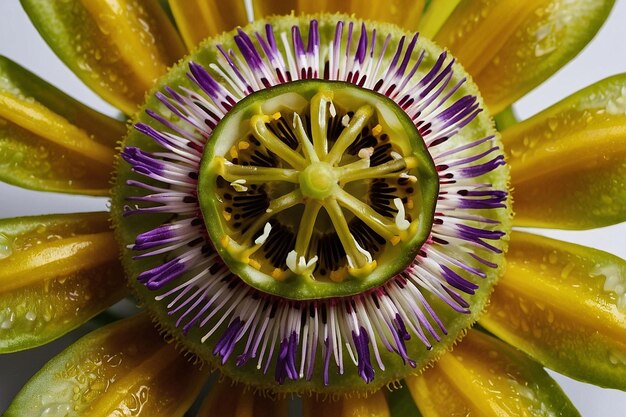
605,56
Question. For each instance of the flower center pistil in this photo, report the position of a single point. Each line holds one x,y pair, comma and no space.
324,189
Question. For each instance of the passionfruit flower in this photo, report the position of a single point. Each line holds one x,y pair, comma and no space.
315,208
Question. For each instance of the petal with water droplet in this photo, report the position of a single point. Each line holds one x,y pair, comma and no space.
512,46
484,377
568,163
117,47
50,142
122,369
56,272
564,305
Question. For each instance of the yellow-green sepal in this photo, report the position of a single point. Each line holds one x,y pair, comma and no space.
512,46
50,142
568,163
119,48
565,306
56,272
484,377
124,368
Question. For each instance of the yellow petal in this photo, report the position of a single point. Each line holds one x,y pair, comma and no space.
568,163
511,46
122,369
199,19
117,47
404,13
564,305
42,150
484,377
374,405
56,272
435,15
226,399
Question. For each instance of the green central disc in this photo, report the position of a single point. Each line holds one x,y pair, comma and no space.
317,189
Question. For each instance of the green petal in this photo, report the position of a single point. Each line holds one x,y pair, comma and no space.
564,305
119,370
117,47
50,142
568,163
401,403
374,405
56,272
484,377
228,400
512,46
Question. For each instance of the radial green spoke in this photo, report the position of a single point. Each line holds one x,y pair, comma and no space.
352,172
349,134
379,223
358,259
274,144
319,108
305,230
255,175
276,206
303,138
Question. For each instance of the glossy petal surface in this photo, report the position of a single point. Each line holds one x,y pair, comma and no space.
375,405
225,399
404,13
565,305
512,46
48,149
119,370
436,13
25,85
484,377
56,272
568,163
199,19
117,47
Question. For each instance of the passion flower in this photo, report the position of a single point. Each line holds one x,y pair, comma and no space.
313,204
325,214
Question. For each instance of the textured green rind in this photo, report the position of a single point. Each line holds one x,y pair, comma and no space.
127,228
45,310
395,257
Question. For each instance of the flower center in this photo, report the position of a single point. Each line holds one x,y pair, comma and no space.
317,189
319,181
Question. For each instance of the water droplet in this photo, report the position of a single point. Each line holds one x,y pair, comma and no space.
6,248
56,410
31,316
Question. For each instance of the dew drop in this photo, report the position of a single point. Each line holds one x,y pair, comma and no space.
6,249
56,410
